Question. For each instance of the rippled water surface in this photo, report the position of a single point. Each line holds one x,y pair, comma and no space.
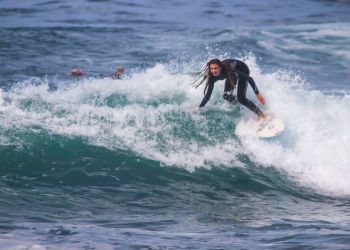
96,163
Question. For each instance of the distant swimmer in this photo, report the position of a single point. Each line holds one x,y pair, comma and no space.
235,72
118,73
76,72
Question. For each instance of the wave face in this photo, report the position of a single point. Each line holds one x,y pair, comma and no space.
96,163
150,115
136,145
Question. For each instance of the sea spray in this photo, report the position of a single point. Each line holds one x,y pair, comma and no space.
150,114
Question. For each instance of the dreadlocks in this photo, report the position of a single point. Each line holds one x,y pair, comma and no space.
205,74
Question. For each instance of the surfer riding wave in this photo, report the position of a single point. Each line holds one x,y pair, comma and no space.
235,72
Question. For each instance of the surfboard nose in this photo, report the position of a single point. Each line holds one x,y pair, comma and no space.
270,127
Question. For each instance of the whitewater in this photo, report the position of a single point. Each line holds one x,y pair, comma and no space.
151,114
97,163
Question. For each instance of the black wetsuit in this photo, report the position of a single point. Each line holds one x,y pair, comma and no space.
240,73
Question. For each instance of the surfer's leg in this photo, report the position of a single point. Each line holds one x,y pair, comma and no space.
241,97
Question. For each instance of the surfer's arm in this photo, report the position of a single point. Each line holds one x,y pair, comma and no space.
253,85
251,82
208,94
256,91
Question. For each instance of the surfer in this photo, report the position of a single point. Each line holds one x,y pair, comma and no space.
76,72
118,73
235,72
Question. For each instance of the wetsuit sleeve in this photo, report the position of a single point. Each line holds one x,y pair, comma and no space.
208,94
228,86
250,80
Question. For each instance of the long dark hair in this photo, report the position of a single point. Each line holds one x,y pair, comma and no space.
205,74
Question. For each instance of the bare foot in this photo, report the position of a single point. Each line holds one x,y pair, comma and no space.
263,117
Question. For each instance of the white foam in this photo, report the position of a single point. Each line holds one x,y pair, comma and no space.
1,97
315,148
339,30
152,117
331,38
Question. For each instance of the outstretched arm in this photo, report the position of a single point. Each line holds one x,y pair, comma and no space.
253,85
208,94
256,91
251,82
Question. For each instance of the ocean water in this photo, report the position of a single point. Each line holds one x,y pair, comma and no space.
96,163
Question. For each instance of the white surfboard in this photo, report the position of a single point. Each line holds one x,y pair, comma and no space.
270,127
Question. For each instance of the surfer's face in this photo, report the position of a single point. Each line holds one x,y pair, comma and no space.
215,70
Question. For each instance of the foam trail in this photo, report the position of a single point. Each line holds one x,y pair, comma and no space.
314,149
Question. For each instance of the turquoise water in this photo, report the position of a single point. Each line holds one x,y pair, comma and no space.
94,163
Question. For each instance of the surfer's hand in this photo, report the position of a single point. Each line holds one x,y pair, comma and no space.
196,110
261,99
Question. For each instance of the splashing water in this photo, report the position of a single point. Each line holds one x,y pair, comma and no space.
150,114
